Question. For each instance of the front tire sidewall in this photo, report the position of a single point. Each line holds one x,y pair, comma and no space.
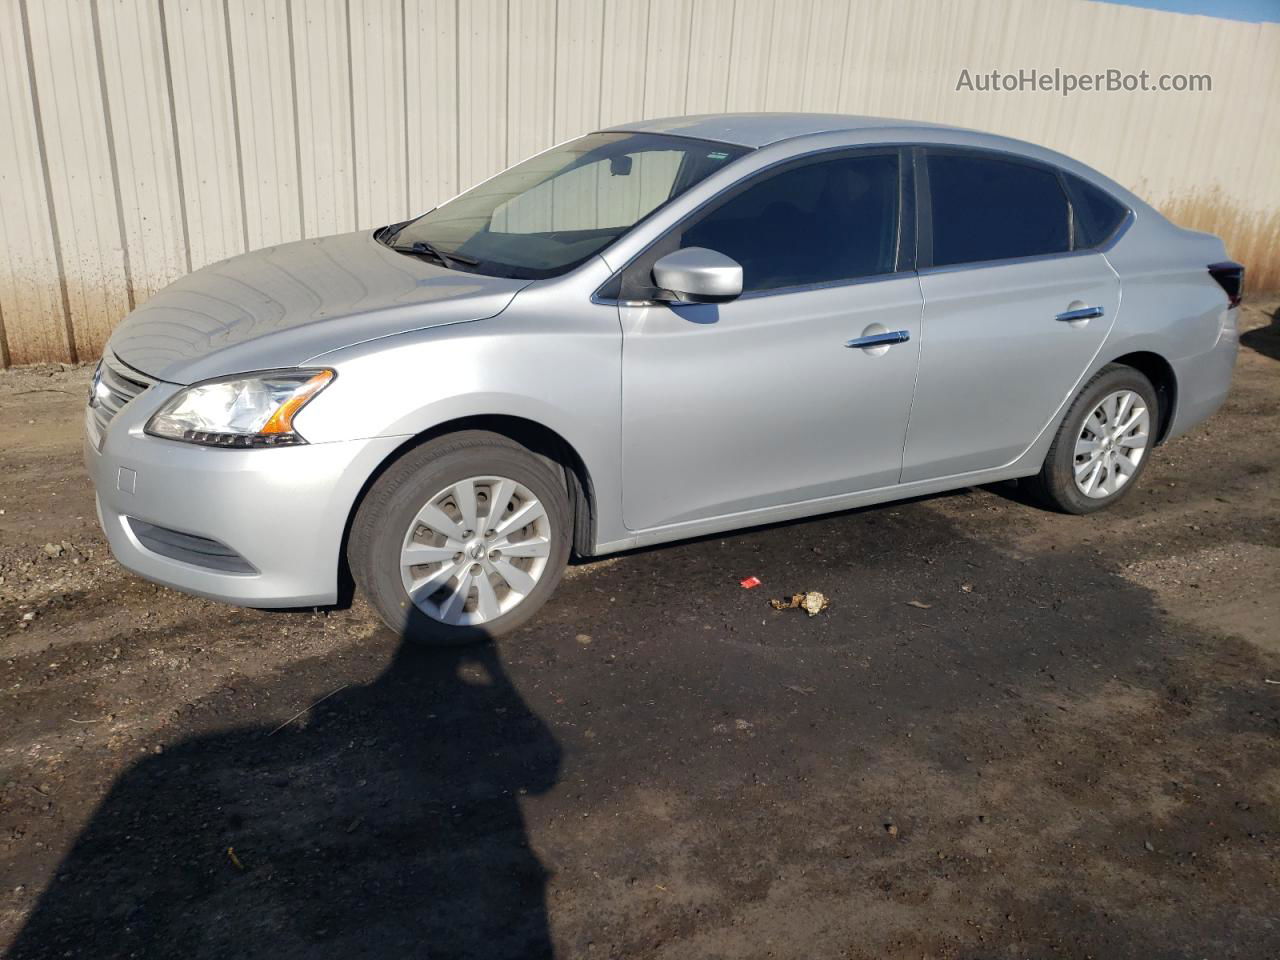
394,501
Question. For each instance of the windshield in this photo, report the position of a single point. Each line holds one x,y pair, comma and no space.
550,213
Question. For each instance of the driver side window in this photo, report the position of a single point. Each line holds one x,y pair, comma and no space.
822,222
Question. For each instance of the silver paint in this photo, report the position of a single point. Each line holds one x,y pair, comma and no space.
699,274
690,419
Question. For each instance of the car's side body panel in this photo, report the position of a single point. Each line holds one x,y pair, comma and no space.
1175,309
552,357
732,407
996,364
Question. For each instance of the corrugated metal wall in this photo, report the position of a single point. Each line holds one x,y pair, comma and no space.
149,137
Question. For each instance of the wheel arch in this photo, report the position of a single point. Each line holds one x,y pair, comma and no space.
537,437
1160,372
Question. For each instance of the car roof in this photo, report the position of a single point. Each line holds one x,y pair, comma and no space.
761,129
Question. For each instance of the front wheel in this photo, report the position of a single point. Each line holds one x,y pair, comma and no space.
1103,444
462,539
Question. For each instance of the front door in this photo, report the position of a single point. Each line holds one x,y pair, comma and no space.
731,408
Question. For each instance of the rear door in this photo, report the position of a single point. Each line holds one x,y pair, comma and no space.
1014,311
735,407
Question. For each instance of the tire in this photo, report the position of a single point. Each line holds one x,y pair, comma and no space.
415,510
1056,484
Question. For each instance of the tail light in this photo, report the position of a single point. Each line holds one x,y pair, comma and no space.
1230,277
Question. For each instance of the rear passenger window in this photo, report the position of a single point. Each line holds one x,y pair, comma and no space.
822,222
986,208
1097,213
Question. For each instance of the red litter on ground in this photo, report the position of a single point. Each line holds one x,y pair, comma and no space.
749,583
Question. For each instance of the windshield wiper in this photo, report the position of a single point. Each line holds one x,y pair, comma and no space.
423,249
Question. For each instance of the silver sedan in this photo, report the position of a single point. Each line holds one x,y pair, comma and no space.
662,330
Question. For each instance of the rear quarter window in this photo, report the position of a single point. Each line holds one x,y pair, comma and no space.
1097,213
989,208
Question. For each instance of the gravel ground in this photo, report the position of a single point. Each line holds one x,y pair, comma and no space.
1012,734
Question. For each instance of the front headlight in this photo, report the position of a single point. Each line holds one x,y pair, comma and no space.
254,410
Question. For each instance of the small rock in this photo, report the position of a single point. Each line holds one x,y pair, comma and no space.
53,550
1149,846
742,724
583,639
29,616
891,829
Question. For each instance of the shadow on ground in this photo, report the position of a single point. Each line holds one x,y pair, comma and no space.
389,825
1265,340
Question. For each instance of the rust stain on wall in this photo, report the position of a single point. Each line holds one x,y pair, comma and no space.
35,330
1252,238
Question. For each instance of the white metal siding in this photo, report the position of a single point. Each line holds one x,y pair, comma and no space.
137,88
33,321
79,170
268,141
161,135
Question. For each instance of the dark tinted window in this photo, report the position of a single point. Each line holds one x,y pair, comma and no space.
985,208
821,222
1097,213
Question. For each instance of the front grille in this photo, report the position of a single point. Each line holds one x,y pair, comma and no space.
114,385
189,548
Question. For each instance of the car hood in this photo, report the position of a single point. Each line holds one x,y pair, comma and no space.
281,306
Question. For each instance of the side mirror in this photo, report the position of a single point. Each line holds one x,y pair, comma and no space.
698,275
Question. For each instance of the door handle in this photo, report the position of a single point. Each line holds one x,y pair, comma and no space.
880,339
1082,313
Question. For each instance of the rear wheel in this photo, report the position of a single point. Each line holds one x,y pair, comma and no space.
1103,443
462,539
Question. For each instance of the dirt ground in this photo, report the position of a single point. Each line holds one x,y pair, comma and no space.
1013,734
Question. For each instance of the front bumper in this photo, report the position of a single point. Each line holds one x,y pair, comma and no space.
282,510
